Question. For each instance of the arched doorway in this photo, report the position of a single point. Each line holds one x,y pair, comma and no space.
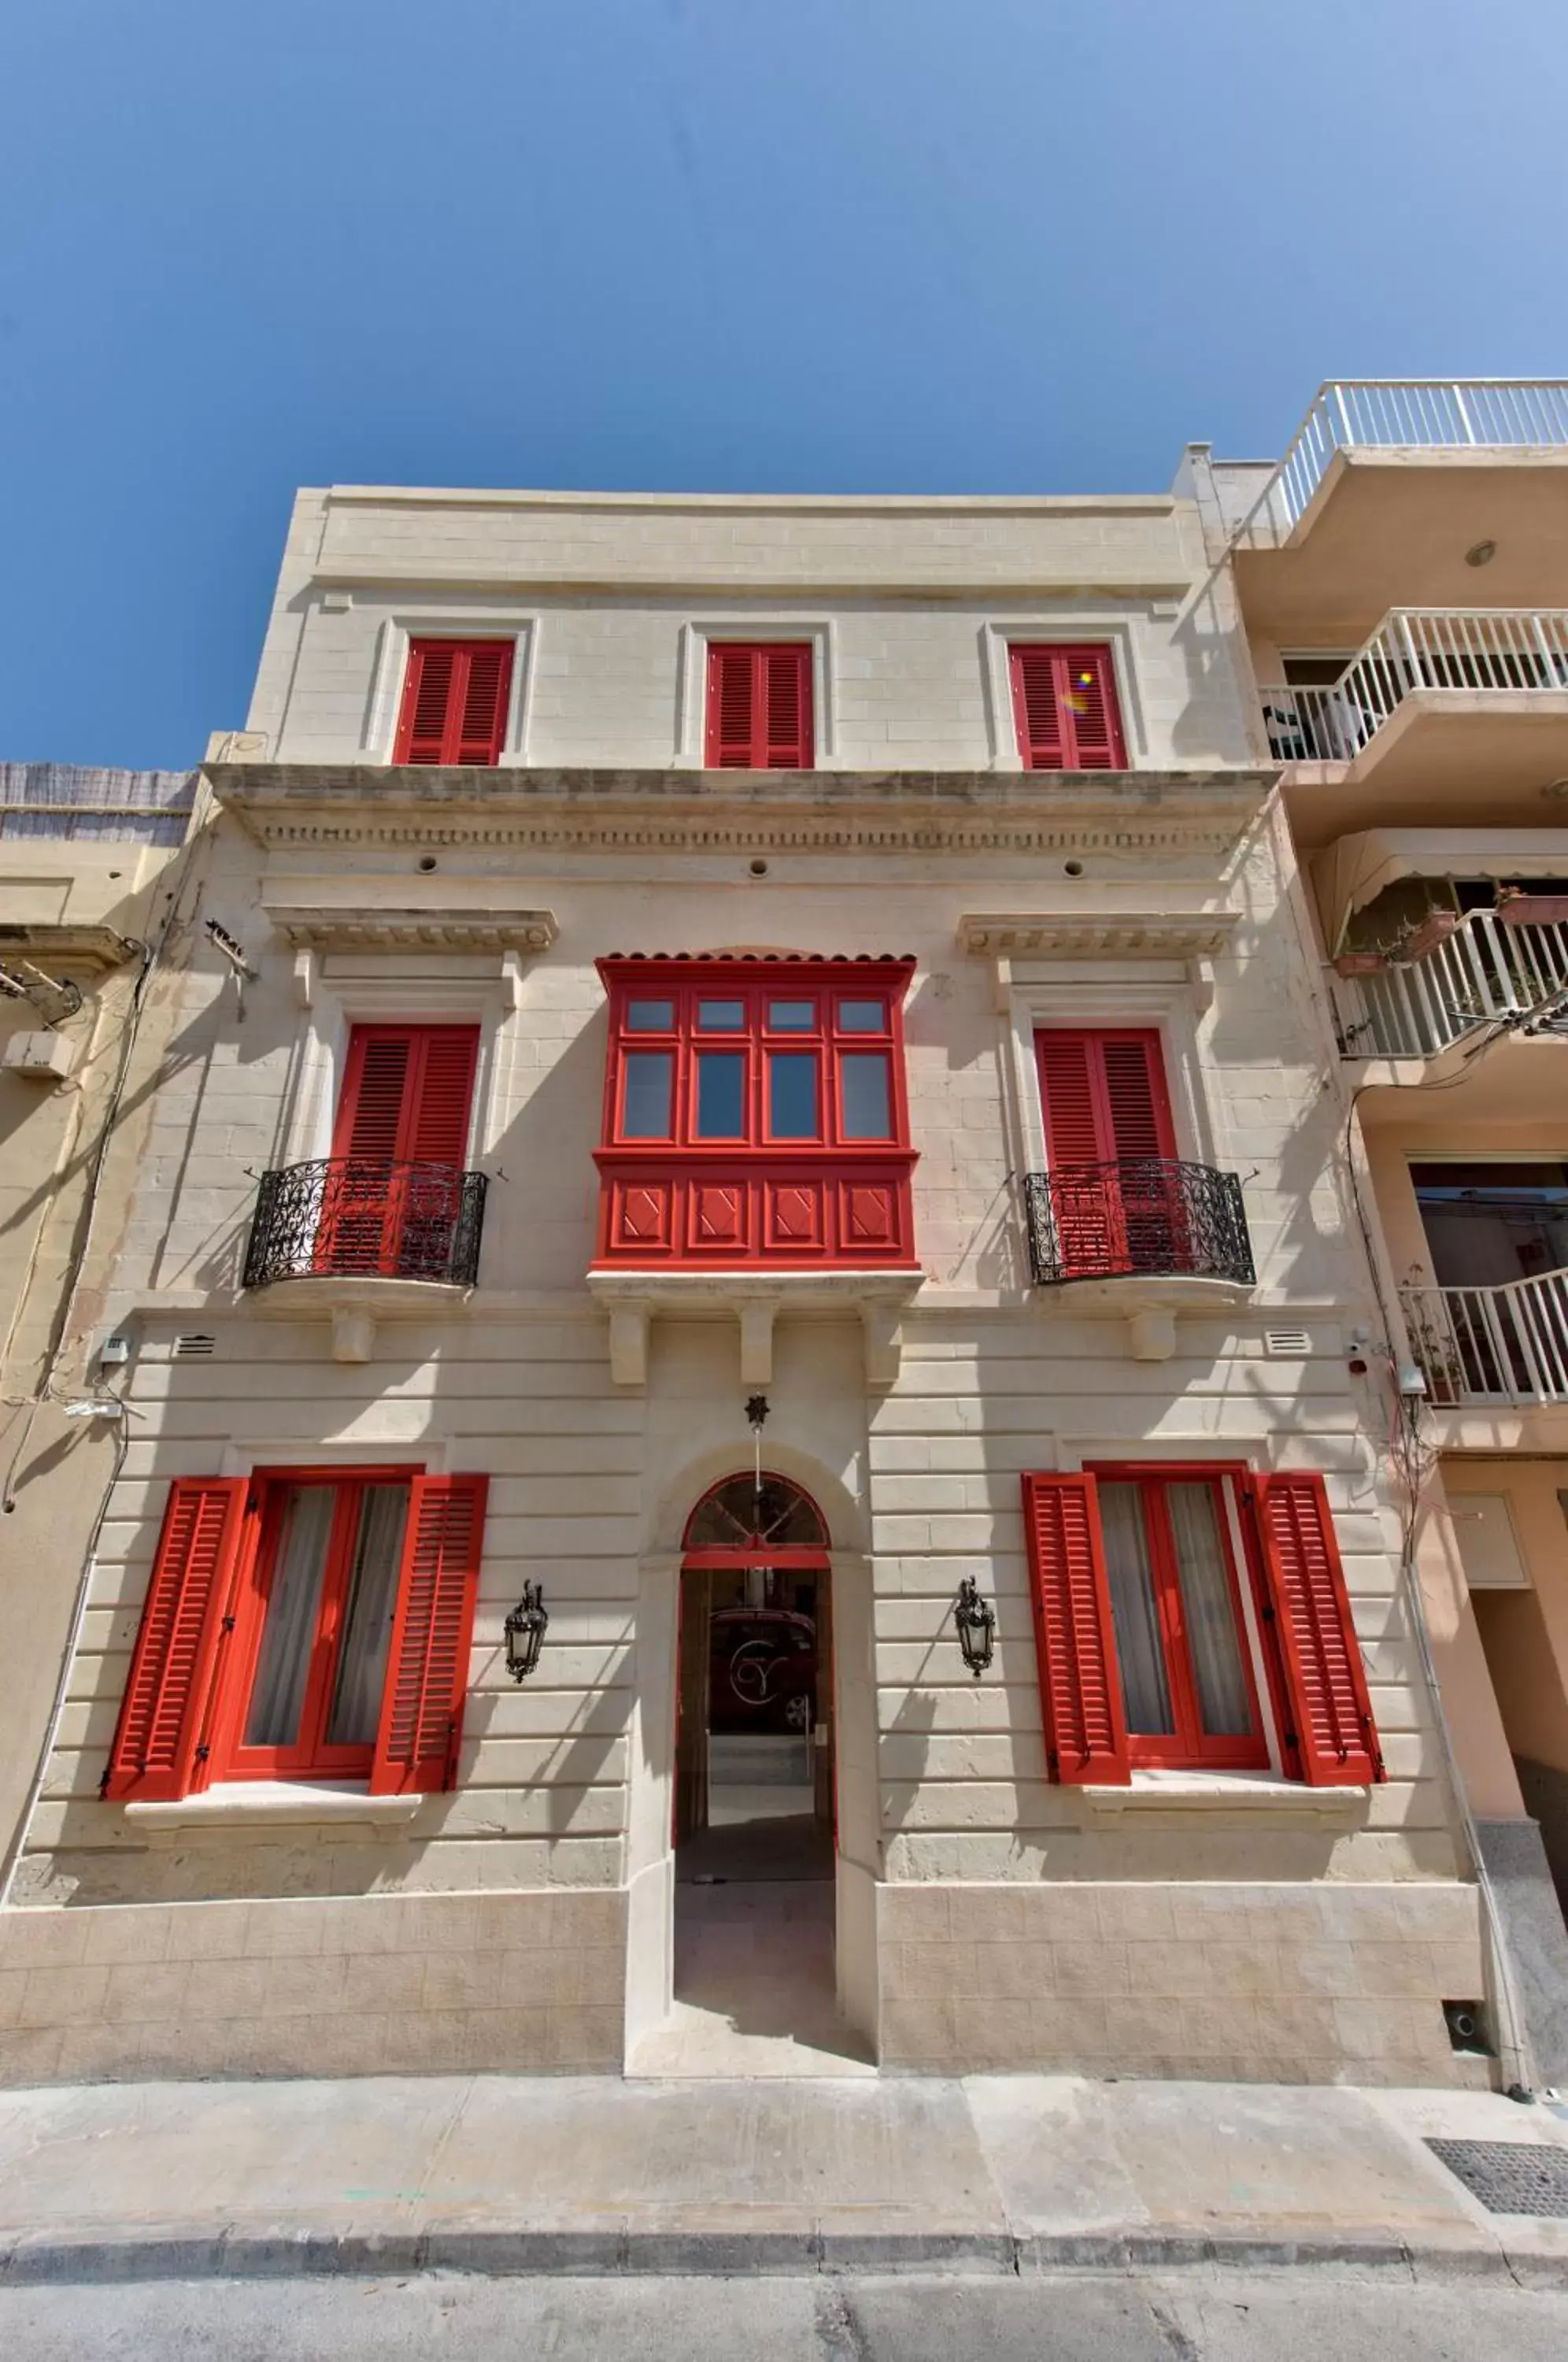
754,1756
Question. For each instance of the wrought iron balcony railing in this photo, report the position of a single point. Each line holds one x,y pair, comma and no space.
1507,1344
361,1217
1479,970
1409,414
1146,1217
1415,648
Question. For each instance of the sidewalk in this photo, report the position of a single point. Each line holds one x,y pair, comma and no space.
514,2174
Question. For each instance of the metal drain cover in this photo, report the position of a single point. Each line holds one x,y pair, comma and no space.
1509,2177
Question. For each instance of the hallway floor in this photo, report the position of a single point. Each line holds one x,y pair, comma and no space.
754,1985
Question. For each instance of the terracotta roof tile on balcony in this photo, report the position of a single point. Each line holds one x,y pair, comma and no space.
783,959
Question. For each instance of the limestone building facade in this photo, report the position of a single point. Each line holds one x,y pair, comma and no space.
90,863
758,1066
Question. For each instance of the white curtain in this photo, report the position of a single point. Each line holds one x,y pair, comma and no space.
1144,1685
367,1626
1209,1611
293,1608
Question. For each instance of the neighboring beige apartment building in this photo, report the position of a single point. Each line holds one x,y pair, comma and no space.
761,1067
88,863
1402,584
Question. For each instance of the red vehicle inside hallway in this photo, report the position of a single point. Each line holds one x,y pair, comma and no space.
762,1669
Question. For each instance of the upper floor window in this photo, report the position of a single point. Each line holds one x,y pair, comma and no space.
1156,1646
307,1624
755,1109
455,699
759,706
1064,708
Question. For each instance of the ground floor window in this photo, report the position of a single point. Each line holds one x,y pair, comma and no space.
1180,1635
1171,1602
304,1624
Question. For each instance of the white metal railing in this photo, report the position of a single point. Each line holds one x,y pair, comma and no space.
1415,648
1506,1344
1483,970
1405,413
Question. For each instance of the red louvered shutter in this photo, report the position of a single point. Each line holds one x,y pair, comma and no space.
1037,709
427,1669
1064,702
759,706
1135,1099
436,1127
731,705
1076,1132
153,1758
1080,1681
1336,1741
786,707
1105,1105
406,1098
454,702
481,716
375,1087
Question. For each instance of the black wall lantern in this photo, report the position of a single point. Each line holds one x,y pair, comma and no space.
525,1629
976,1622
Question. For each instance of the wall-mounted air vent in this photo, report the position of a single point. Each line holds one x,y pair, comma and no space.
1286,1343
194,1348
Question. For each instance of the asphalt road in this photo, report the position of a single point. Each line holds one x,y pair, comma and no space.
1282,2316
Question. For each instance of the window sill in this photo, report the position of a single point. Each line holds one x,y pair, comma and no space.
1204,1792
274,1800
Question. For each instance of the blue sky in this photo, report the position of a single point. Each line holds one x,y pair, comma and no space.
833,245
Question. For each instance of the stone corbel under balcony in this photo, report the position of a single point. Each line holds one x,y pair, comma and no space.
1150,1305
355,1307
755,1299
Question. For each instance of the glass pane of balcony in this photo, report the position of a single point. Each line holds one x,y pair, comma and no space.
862,1017
720,1095
792,1095
650,1017
720,1016
646,1111
862,1087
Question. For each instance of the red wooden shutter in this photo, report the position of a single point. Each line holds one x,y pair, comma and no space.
731,707
1335,1737
435,1129
1080,1681
1104,1101
1064,702
1037,709
787,708
1135,1100
375,1087
1076,1129
759,706
407,1091
1088,696
428,1669
153,1758
454,702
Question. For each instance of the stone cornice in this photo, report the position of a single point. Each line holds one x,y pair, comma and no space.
366,927
66,945
1168,934
327,807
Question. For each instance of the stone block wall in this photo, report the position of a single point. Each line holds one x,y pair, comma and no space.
376,1984
1303,1984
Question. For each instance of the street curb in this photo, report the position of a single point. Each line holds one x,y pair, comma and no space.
716,2254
